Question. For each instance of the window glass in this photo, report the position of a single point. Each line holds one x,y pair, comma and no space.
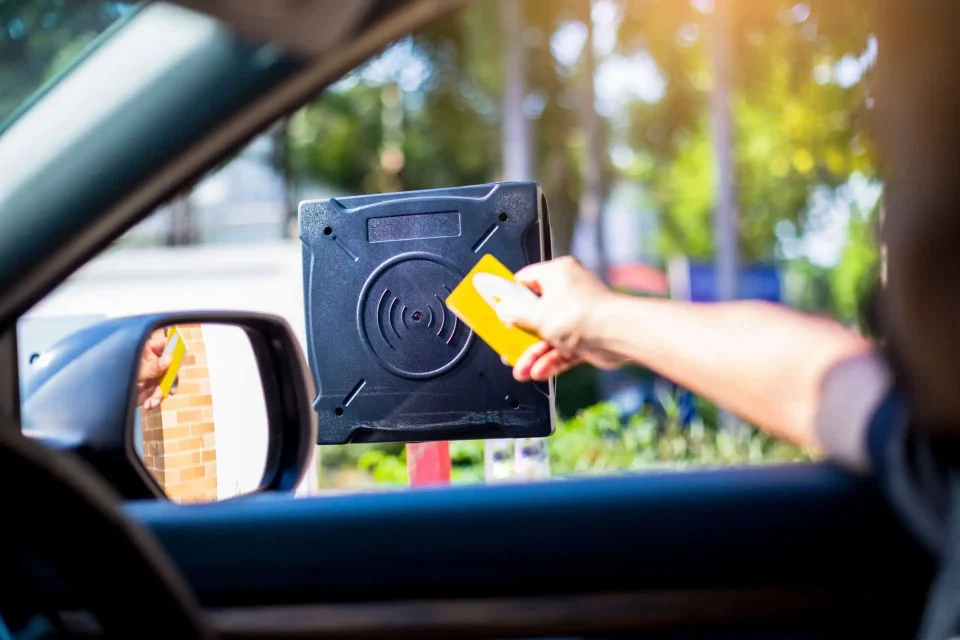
432,111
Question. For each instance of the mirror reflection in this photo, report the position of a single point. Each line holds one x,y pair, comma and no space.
200,427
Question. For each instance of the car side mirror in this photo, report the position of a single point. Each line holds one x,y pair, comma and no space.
194,407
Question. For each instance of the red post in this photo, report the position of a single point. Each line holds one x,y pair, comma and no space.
428,463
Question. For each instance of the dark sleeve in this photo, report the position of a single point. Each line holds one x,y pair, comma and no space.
905,464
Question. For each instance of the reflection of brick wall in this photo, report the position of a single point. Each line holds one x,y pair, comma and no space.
179,447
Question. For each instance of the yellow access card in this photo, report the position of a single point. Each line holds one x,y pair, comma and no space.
175,350
474,301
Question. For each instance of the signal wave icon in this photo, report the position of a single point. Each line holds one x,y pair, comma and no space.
405,322
395,319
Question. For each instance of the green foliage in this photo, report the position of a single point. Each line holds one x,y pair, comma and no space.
858,270
685,190
337,137
384,467
449,126
793,129
596,441
466,459
441,122
576,389
807,288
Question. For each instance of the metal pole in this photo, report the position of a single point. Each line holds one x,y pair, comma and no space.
725,216
428,463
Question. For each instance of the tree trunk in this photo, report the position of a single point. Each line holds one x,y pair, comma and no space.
592,196
281,152
517,141
181,232
563,210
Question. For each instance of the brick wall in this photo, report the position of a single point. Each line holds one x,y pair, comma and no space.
179,445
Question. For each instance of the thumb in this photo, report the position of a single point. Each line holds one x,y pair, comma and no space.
151,369
526,315
155,346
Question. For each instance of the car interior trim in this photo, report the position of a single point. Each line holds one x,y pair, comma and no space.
709,610
769,527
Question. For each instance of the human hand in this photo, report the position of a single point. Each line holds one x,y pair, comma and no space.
152,367
565,316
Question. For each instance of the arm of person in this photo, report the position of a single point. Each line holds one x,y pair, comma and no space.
806,379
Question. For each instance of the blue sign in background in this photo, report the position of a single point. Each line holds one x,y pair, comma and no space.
757,282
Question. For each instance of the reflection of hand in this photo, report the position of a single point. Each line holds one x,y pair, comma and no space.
566,317
152,367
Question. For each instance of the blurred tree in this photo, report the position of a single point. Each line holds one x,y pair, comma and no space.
554,101
797,119
281,161
335,139
809,288
594,190
181,231
452,79
858,270
797,112
448,104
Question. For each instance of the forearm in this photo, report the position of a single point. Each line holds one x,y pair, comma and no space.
764,362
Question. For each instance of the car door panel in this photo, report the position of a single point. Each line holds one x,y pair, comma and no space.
734,536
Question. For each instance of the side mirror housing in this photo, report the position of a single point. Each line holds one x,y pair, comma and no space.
235,388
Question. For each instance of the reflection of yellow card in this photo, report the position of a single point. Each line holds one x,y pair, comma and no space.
176,348
474,301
